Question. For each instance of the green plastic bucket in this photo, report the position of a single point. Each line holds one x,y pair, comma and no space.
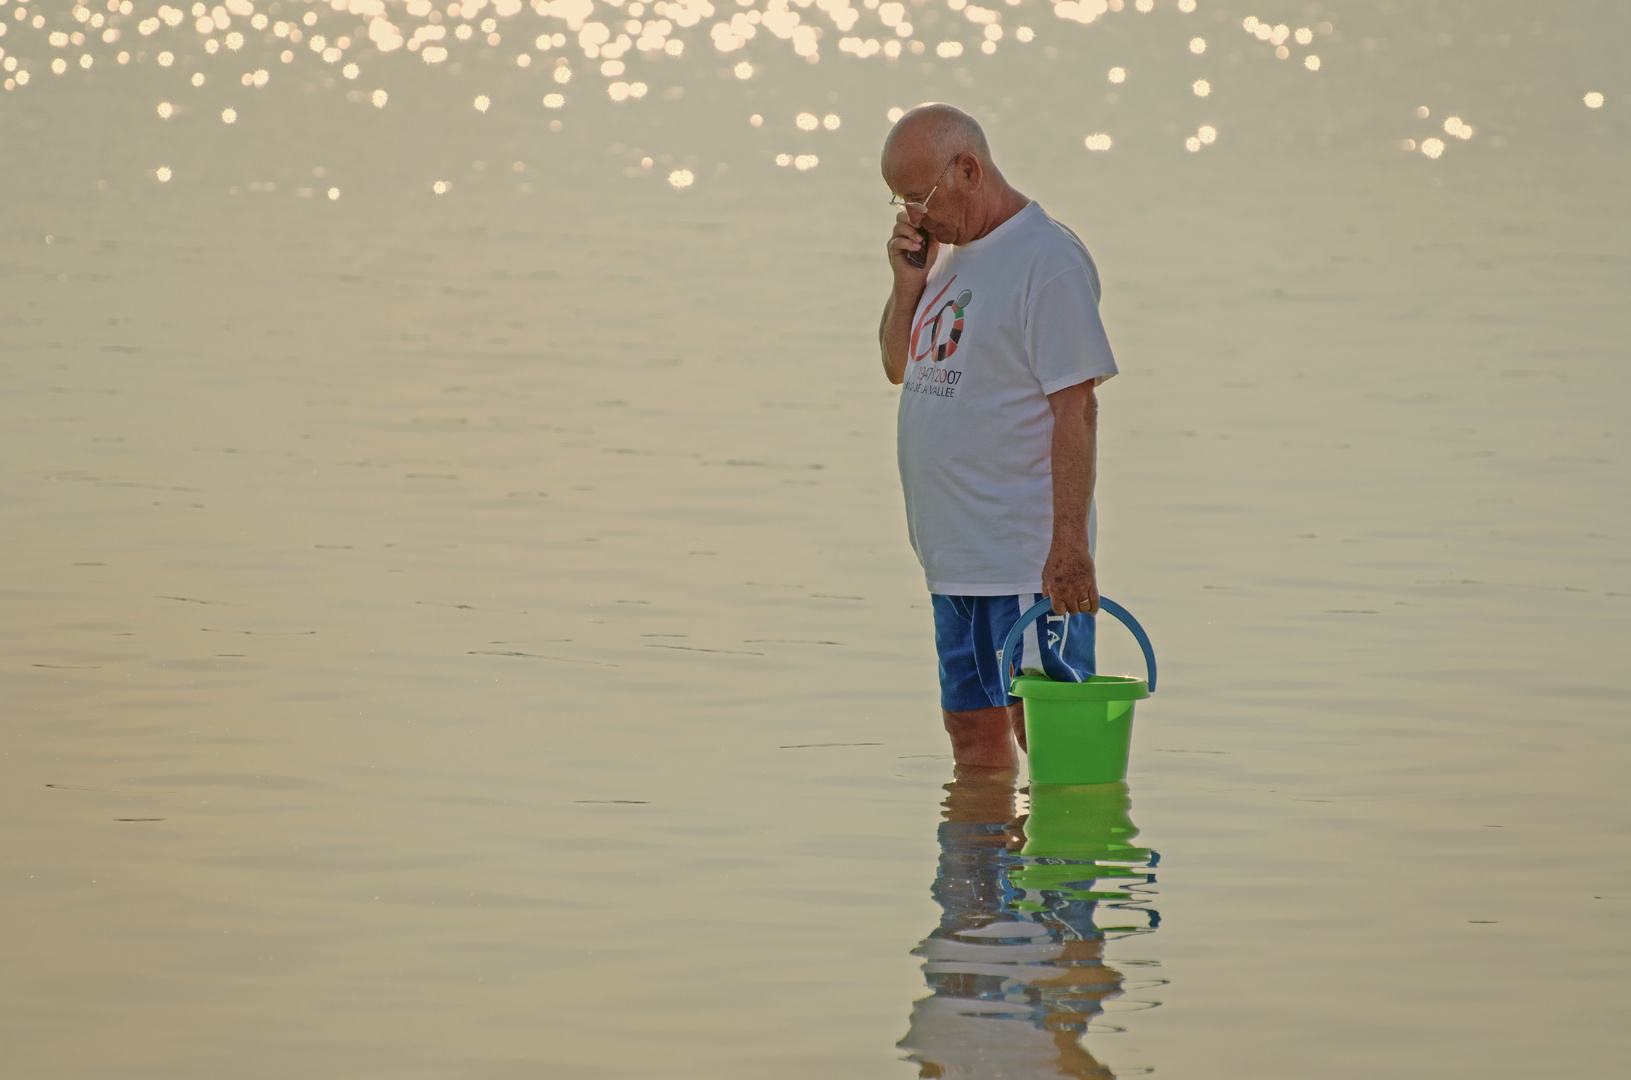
1079,732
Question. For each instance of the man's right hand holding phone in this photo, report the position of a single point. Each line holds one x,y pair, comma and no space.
910,250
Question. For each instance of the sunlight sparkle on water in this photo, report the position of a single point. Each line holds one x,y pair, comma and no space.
163,174
1202,88
380,98
1098,141
1432,147
1197,45
681,178
806,121
166,110
1118,75
1594,100
1084,11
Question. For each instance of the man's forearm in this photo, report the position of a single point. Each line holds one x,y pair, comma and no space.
895,334
1075,452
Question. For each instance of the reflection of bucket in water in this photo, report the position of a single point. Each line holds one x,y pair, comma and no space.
1078,842
1079,732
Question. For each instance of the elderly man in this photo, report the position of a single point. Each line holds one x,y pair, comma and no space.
992,330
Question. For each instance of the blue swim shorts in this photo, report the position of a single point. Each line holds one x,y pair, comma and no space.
968,631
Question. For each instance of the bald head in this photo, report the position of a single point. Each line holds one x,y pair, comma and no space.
934,133
937,160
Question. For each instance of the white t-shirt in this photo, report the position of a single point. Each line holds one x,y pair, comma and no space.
1004,322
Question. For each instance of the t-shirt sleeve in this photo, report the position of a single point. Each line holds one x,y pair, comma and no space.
1064,338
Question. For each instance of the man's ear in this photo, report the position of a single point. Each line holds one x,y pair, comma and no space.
970,167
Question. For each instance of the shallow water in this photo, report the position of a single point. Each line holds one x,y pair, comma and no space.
473,634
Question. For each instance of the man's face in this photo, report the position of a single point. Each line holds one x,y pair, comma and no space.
935,200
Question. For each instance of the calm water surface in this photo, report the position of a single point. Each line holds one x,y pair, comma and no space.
457,614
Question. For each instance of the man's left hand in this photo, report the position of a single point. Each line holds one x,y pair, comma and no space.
1069,579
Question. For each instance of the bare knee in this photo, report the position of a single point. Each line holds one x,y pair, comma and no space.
1016,720
981,737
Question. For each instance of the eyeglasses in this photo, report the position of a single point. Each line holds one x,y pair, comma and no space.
901,202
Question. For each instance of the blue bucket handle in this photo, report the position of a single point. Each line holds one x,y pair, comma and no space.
1044,606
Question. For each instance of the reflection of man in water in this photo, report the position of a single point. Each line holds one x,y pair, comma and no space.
1015,980
997,346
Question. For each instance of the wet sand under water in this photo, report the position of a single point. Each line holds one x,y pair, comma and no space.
480,641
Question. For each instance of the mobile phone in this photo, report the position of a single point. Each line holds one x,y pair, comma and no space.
921,256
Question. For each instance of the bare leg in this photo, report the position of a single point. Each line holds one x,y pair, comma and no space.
986,736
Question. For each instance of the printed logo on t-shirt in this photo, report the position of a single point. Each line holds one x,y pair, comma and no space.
943,323
935,336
